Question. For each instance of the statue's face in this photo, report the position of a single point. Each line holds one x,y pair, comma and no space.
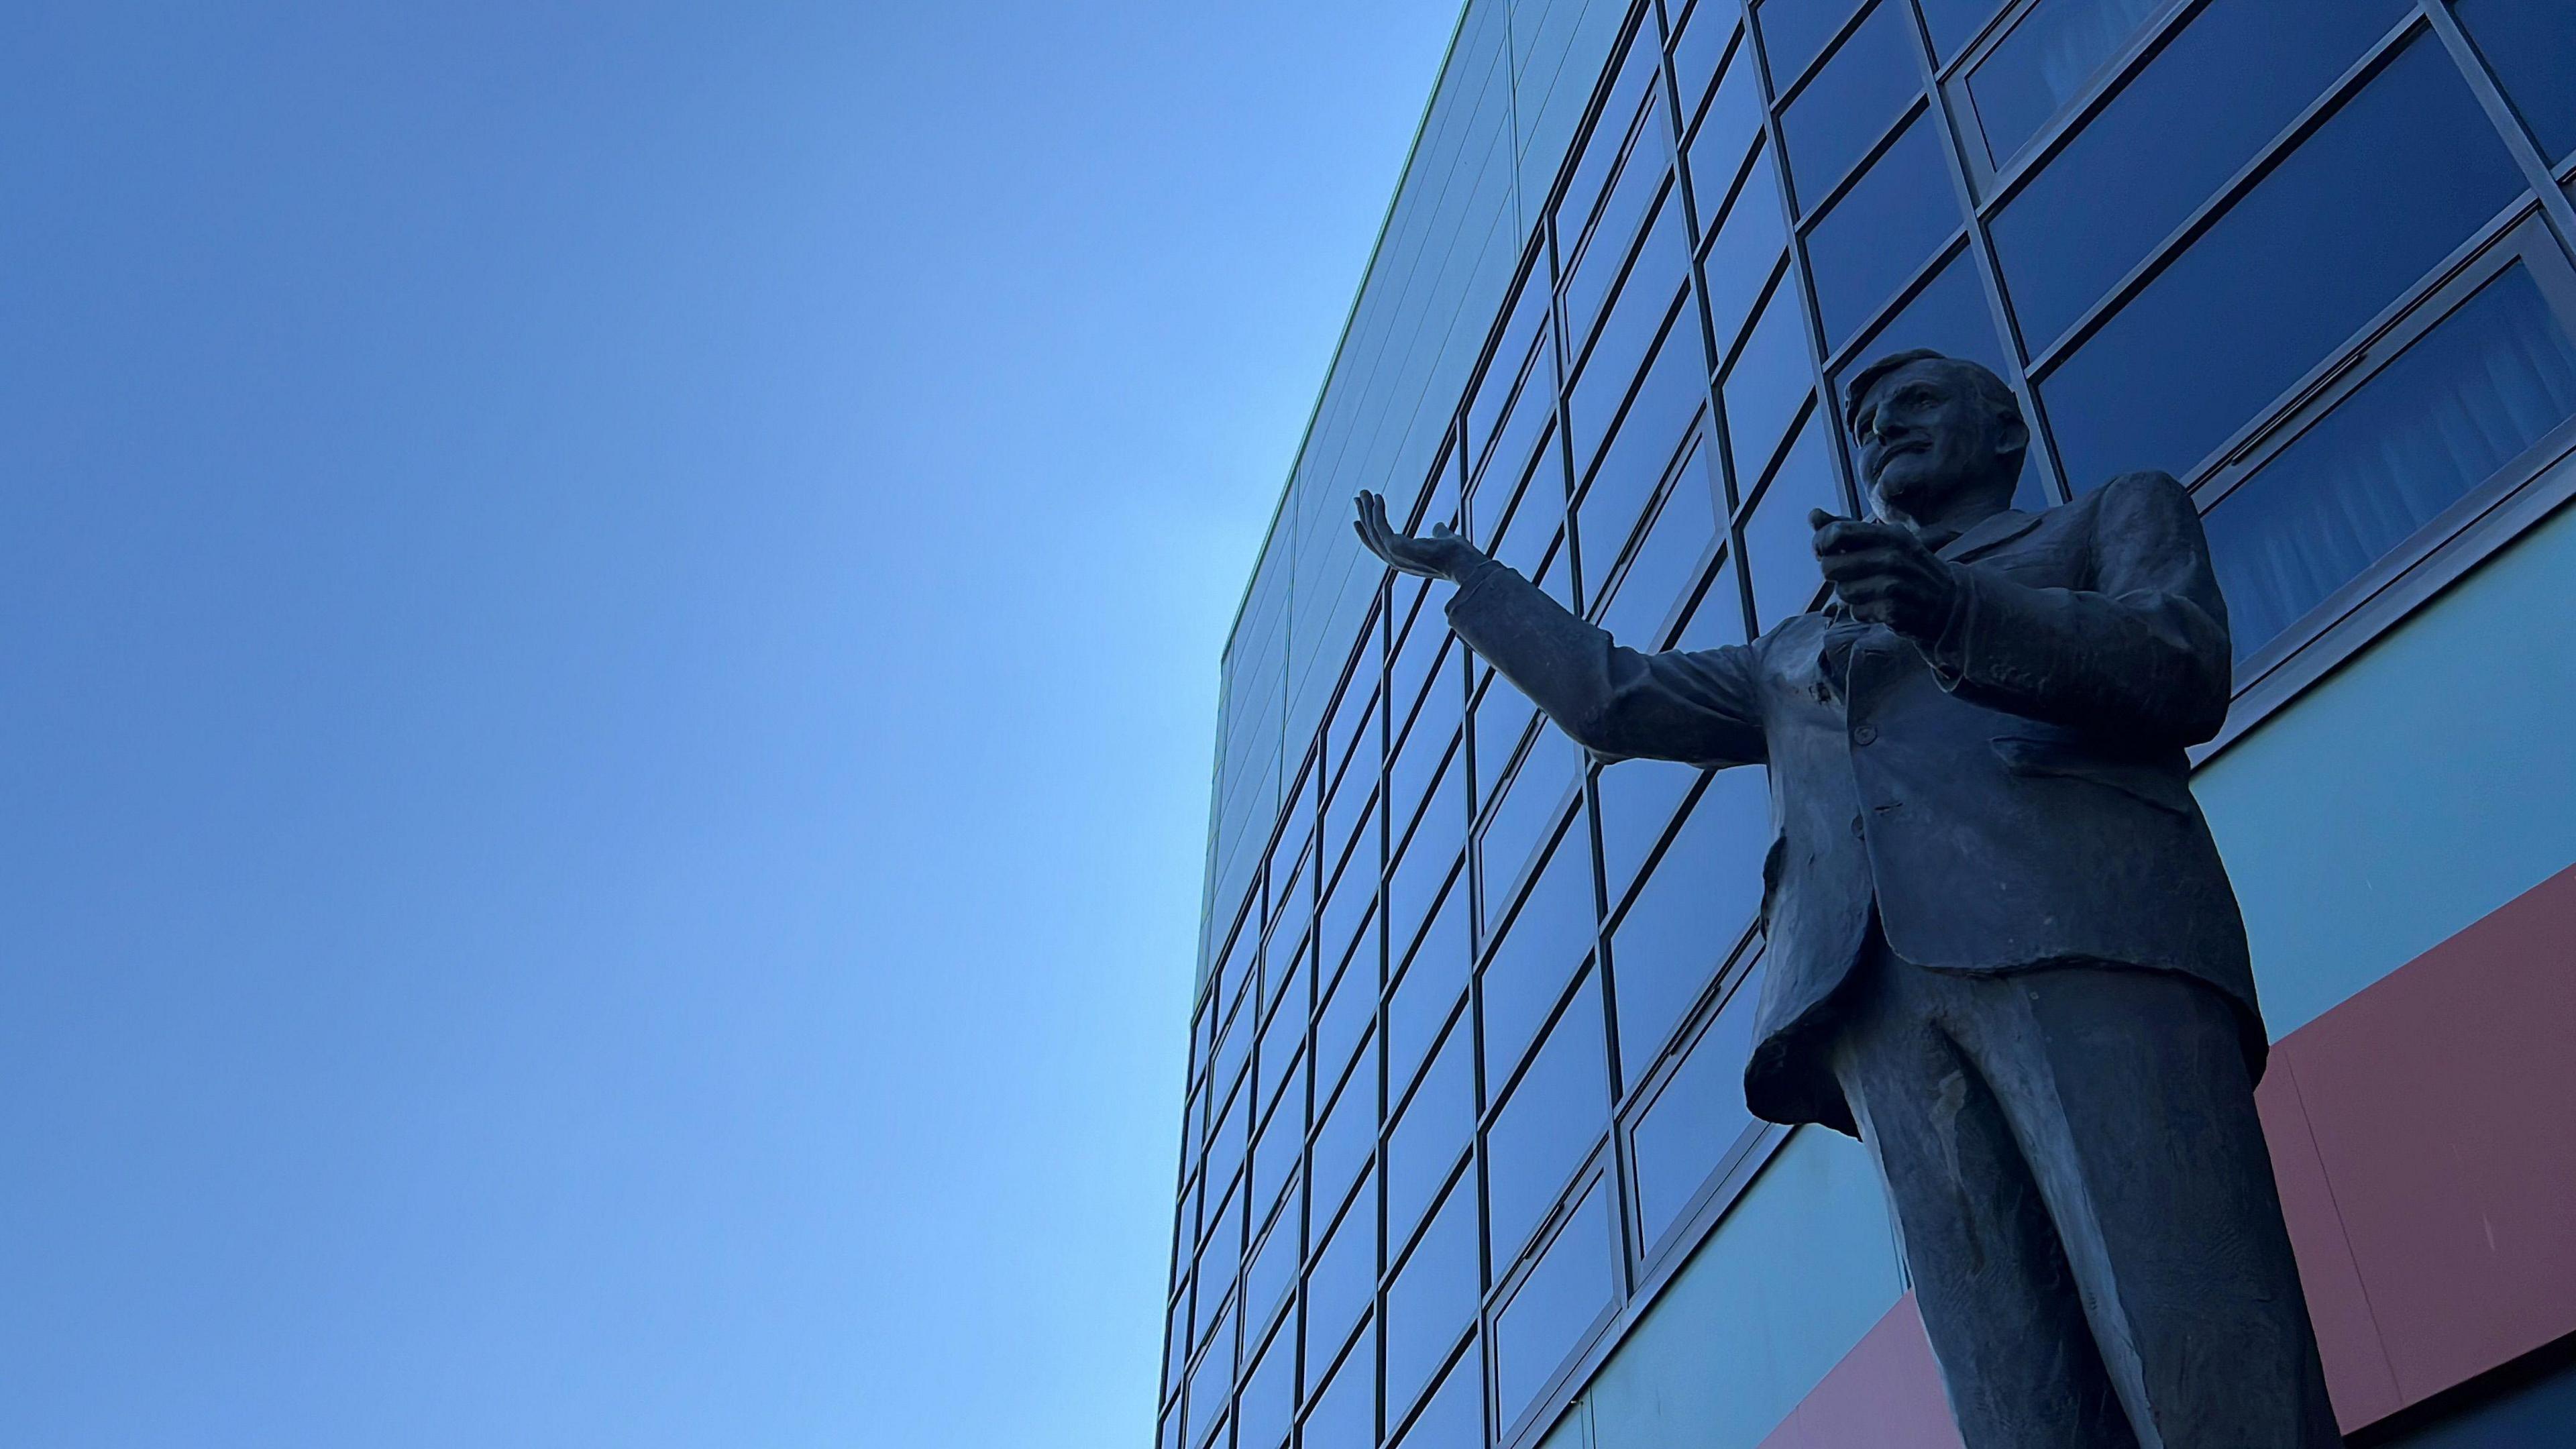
1925,436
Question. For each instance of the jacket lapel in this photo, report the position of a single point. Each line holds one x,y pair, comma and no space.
1994,532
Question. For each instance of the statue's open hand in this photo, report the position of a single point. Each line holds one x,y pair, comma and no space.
1884,574
1441,555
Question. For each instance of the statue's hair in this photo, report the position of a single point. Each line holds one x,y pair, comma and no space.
1991,390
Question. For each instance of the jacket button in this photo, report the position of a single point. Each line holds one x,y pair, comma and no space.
1857,832
1866,734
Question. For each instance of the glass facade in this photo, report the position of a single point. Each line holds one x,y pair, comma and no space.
1473,1009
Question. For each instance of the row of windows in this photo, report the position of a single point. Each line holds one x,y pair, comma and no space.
1470,1064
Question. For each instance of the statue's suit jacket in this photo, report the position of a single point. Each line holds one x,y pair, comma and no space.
2009,797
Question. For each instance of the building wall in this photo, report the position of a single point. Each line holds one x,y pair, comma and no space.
1465,1159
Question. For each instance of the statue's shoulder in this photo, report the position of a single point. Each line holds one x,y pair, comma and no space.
2148,491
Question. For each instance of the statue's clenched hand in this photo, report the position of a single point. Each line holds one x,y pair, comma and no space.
1884,574
1443,554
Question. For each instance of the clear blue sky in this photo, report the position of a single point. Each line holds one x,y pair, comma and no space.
608,635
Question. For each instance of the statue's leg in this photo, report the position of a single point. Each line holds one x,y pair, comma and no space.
1997,1299
2129,1094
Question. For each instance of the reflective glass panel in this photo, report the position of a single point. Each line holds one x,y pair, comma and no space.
1503,715
1431,1135
1699,48
2531,46
1691,912
1346,905
1273,1269
2210,100
1286,1029
1795,32
1522,429
1231,1137
1667,401
1538,953
1608,138
2470,396
1528,815
1641,183
1638,798
1347,1012
1854,99
1637,323
1954,23
1667,562
1418,879
2398,178
1554,1309
1555,1114
1343,1280
1882,231
2045,61
1268,1402
1727,131
1949,315
1429,777
1222,1253
1343,1143
1696,1119
1524,330
1345,1409
1718,617
1212,1383
1274,1155
1779,547
1429,988
1433,1298
1768,382
1455,1417
1745,254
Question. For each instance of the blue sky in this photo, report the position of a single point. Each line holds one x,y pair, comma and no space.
608,637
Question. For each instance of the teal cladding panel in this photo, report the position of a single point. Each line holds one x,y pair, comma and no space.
2418,788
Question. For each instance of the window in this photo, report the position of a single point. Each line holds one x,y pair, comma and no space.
1343,1280
1779,547
1690,914
1431,1134
1641,190
1558,1305
1697,1117
1210,1384
1745,254
1881,231
1549,1123
1718,617
1948,315
2531,47
1517,437
1609,137
1667,562
1419,877
1273,1269
1795,32
1343,1143
1432,1300
1729,130
2477,391
2044,61
1527,818
1346,1012
1700,50
1855,98
2385,188
1503,715
1274,1155
1638,798
1539,952
1429,989
1525,329
2202,108
1658,421
1767,383
1455,1417
1638,321
1269,1399
1956,22
1345,1408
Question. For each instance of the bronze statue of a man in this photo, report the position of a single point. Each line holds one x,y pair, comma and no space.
2002,949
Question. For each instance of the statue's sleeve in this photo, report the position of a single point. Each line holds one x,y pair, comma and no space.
1697,706
2142,656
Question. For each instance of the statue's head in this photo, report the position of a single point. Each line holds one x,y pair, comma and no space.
1934,431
